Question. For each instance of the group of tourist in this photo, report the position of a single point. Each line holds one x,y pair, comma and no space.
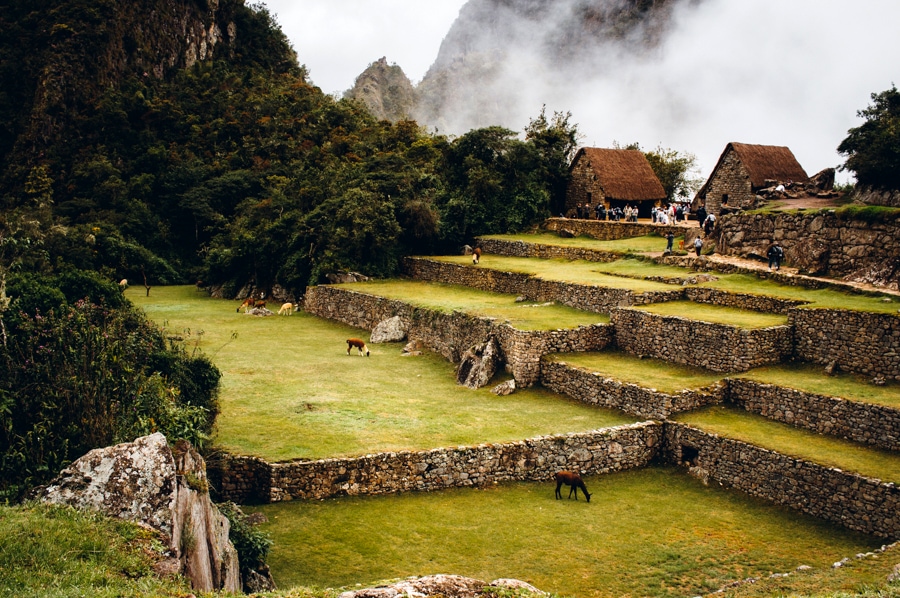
673,213
615,214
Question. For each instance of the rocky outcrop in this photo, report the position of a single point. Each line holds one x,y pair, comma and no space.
146,482
448,586
479,364
390,330
386,91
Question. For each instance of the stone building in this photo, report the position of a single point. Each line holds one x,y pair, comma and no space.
744,169
615,178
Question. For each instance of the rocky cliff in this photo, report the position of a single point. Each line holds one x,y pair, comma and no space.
148,483
386,91
496,47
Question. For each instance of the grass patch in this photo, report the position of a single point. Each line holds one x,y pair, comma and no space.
715,314
290,391
812,378
803,444
51,551
574,271
649,373
649,532
527,315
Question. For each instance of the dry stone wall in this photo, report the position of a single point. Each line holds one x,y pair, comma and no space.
871,424
537,459
859,503
847,245
543,251
607,230
761,303
595,389
862,342
586,297
715,347
451,334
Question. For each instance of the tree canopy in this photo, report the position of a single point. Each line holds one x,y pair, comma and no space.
873,148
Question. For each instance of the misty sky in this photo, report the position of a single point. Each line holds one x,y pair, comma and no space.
777,72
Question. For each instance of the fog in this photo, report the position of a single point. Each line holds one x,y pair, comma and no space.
776,72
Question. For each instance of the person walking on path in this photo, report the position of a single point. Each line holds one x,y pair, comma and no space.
698,245
670,238
775,255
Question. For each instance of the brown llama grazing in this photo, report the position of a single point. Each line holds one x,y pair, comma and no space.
574,481
359,344
251,303
476,255
286,309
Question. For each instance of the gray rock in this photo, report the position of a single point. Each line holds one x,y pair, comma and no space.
389,331
566,233
146,482
343,277
478,365
504,389
448,586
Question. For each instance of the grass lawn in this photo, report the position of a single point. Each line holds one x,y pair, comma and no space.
631,245
649,532
290,391
715,314
649,373
527,315
825,450
575,271
812,378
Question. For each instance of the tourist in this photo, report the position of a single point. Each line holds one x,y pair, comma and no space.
670,239
701,214
775,255
698,245
709,224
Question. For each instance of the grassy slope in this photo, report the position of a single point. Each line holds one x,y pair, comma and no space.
446,298
290,391
651,532
716,314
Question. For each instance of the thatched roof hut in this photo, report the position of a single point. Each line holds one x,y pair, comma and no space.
743,169
613,177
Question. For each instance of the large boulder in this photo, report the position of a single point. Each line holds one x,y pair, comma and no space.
148,483
389,331
479,364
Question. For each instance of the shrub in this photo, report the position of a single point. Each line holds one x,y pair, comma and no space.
252,544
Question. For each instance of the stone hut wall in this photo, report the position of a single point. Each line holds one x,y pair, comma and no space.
587,297
716,347
537,459
583,186
732,179
859,503
595,389
863,342
451,334
867,423
842,245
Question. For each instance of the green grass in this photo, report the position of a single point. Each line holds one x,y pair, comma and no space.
824,450
58,552
527,315
649,532
646,243
812,378
715,314
649,373
576,271
290,391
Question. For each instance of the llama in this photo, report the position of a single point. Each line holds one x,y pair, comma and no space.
123,284
286,309
359,344
476,255
251,303
574,481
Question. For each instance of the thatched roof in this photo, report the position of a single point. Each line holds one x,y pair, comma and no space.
624,174
763,162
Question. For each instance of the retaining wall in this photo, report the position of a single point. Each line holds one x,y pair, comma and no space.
863,342
595,389
586,297
452,334
762,303
595,452
715,347
543,251
608,230
867,423
859,503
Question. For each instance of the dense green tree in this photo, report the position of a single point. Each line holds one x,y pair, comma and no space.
556,140
873,148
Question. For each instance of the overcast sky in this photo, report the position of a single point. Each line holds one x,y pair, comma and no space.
776,72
